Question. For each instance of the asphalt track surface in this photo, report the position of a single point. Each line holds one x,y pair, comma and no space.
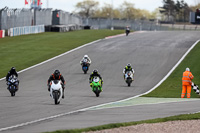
152,54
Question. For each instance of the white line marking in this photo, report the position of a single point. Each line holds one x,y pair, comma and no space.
39,120
169,73
85,109
159,83
57,56
121,106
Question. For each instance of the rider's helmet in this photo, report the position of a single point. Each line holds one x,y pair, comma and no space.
95,71
12,69
187,69
56,73
85,56
128,65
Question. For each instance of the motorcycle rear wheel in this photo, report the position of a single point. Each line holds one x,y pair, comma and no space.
13,94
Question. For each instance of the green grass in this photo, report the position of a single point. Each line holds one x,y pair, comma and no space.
117,125
25,51
172,86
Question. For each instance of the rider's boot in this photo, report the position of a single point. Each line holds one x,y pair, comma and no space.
63,95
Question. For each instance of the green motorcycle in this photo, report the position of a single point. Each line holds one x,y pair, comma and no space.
96,86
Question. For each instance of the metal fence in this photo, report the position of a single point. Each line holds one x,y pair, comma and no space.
136,25
10,18
65,18
101,23
43,16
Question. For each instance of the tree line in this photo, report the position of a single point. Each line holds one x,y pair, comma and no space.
170,11
127,10
178,11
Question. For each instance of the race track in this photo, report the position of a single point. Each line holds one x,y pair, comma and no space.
152,54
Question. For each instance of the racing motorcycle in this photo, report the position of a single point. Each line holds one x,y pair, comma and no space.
129,77
56,90
85,66
127,32
13,84
96,86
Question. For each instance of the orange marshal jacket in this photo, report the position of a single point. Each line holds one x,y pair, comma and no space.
187,77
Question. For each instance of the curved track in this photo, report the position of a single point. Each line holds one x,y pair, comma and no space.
152,54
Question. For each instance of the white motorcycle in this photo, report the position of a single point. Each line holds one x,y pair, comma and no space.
56,90
129,77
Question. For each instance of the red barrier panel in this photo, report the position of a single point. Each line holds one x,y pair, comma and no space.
2,33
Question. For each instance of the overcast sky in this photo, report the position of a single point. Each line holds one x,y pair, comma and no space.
69,5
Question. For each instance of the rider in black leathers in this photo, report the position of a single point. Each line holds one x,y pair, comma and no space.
12,72
56,76
127,30
95,73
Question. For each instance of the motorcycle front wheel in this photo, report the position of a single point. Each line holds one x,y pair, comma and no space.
56,98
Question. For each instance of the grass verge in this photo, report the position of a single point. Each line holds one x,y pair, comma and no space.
117,125
172,86
28,50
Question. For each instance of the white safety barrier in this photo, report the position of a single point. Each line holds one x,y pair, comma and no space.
17,31
2,33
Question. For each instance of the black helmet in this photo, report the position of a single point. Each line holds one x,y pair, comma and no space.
95,71
56,73
129,65
12,69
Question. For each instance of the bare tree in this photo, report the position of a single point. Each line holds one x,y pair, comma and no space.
169,10
87,7
128,10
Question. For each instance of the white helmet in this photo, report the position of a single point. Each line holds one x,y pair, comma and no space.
187,69
85,56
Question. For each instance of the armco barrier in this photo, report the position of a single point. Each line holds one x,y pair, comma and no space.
26,30
2,33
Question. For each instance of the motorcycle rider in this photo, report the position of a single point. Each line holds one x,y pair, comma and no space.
87,58
95,73
128,68
12,72
127,30
56,76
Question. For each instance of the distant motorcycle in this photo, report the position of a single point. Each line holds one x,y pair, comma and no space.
127,32
96,86
85,66
56,90
129,77
13,84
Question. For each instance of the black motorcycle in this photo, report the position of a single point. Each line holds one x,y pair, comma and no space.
85,66
127,32
13,84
